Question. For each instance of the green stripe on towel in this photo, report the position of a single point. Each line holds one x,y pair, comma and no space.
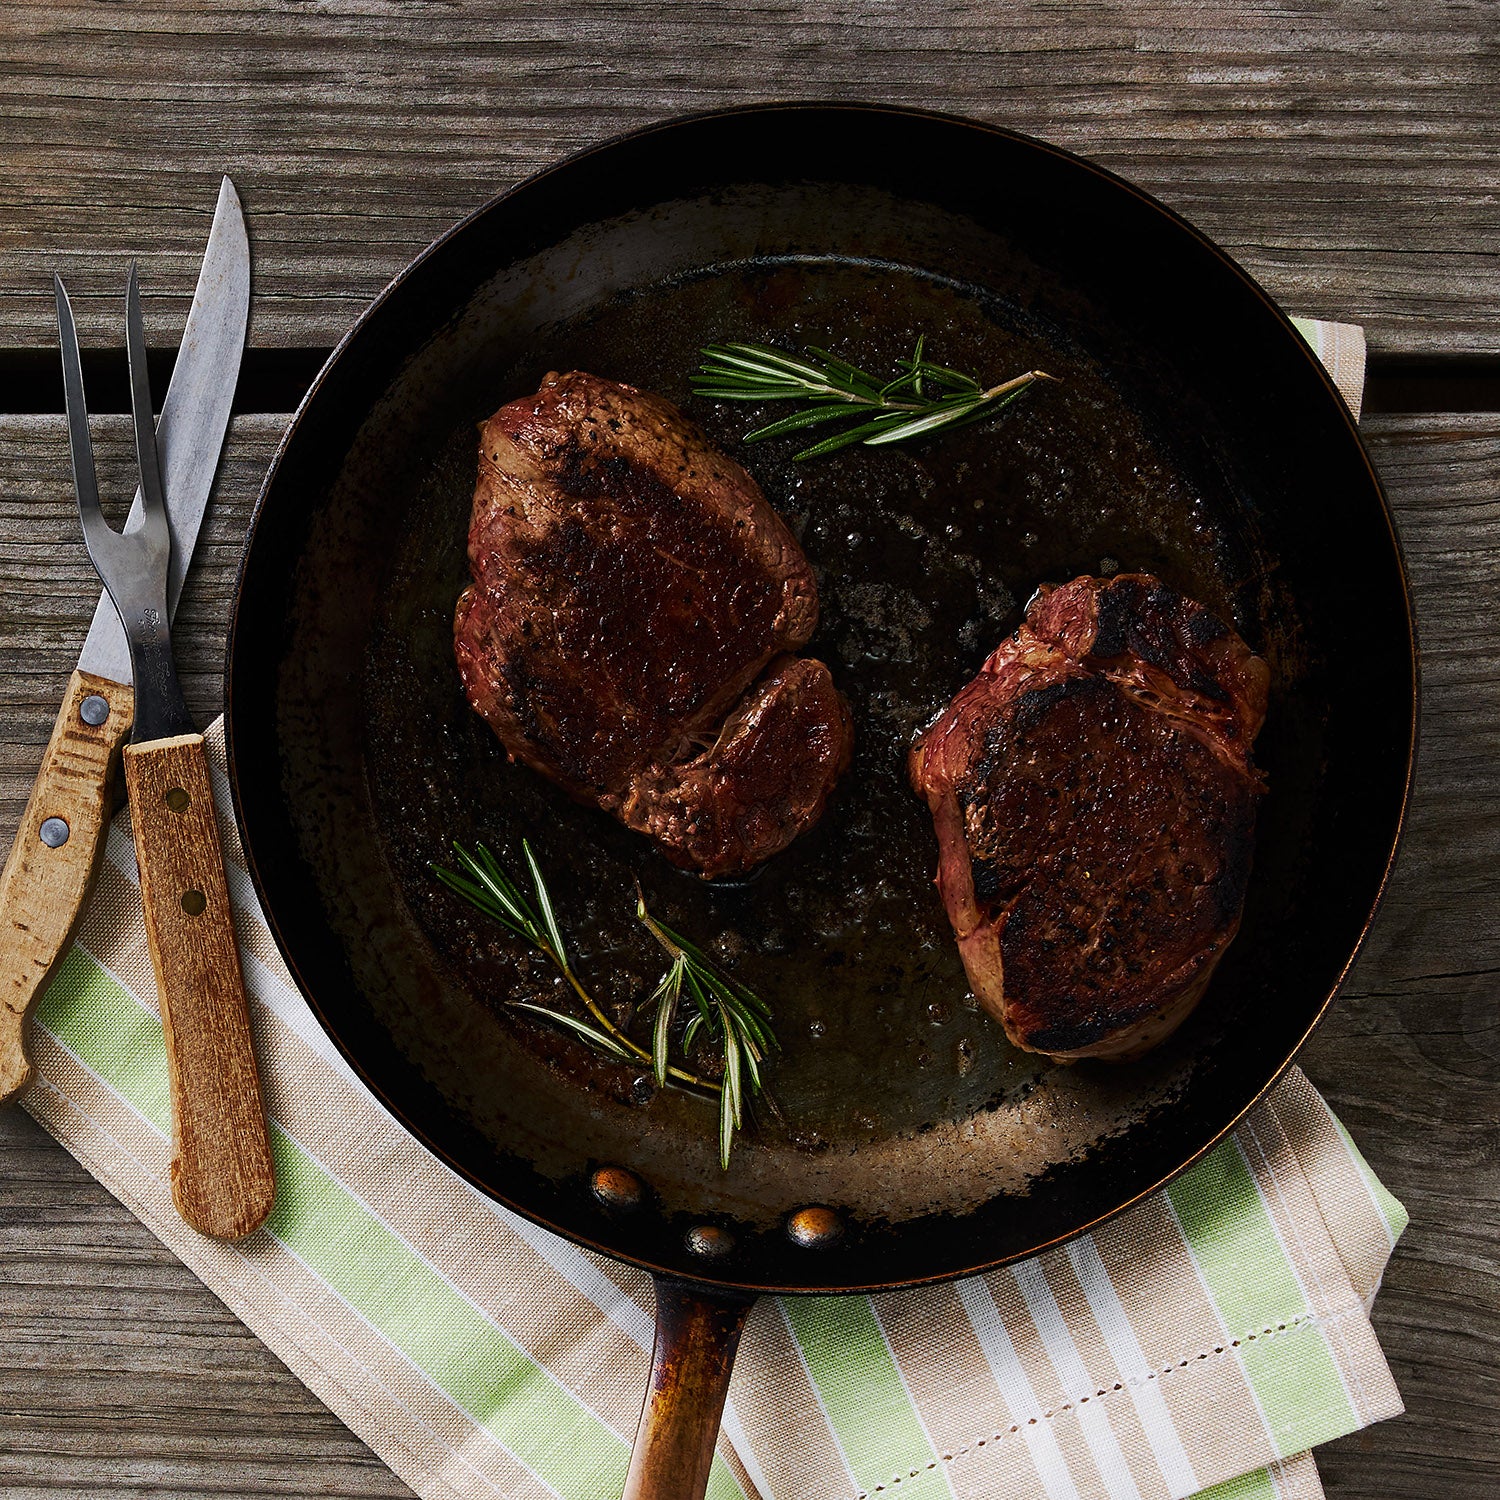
1254,1486
1240,1257
864,1396
450,1340
111,1033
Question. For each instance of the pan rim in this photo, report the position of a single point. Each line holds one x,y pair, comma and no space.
1411,689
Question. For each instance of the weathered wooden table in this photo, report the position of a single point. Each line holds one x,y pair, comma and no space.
1345,153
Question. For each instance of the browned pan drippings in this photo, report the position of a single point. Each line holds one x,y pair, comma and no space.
921,556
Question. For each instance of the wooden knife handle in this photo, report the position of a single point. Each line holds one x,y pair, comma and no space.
46,882
222,1181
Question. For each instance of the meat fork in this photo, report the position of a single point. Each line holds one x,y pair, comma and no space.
221,1174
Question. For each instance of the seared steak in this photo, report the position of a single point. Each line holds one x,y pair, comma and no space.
1094,801
634,599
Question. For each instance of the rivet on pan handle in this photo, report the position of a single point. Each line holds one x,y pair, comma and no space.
697,1332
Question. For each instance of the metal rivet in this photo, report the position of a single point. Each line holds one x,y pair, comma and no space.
814,1228
193,903
709,1241
177,799
94,710
55,832
616,1188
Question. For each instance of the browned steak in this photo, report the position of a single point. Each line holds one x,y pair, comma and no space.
1094,801
634,599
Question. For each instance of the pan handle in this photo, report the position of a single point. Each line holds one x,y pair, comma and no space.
697,1332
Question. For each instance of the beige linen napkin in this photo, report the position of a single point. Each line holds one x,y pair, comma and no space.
1205,1340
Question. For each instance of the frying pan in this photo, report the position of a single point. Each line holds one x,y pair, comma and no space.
1192,435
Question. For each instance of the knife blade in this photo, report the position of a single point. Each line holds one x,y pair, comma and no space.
47,878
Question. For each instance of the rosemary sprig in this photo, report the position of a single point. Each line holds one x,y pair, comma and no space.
725,1011
484,883
923,397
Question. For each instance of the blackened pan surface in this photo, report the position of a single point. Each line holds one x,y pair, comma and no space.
1193,435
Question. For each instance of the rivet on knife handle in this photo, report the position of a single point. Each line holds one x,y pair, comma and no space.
54,859
222,1178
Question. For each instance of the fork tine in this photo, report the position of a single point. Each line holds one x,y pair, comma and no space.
140,402
80,445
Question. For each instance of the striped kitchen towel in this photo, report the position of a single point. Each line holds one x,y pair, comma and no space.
1202,1342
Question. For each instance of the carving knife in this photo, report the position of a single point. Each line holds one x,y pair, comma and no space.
52,865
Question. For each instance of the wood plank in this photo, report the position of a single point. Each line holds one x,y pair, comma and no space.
1410,1057
120,1372
1345,153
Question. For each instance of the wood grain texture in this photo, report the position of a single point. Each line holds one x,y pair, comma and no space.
44,887
222,1182
120,1373
1344,152
1410,1056
48,587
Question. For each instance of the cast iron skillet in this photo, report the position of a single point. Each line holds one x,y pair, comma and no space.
1194,436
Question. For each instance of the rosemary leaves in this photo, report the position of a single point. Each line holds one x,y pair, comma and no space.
922,398
725,1015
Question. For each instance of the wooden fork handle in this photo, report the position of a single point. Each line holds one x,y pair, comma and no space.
222,1179
54,859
